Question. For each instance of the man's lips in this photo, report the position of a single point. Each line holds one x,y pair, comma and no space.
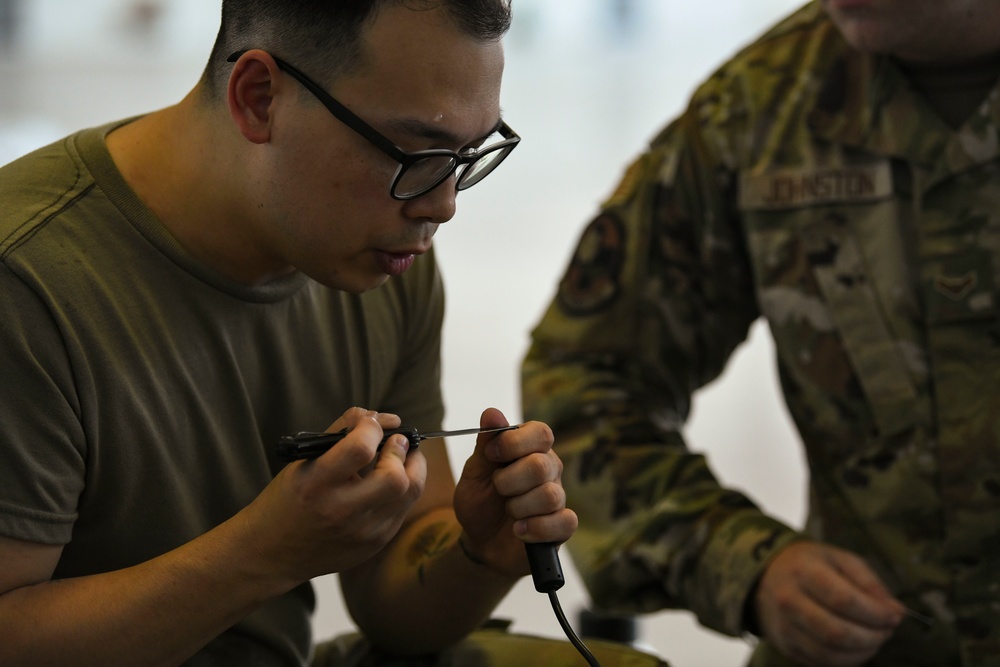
396,263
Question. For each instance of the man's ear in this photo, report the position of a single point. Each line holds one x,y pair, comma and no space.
250,95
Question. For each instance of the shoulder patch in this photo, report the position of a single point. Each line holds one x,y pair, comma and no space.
592,281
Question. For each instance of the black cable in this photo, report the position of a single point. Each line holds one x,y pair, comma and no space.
573,639
546,571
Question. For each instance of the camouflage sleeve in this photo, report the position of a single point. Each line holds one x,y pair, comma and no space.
656,298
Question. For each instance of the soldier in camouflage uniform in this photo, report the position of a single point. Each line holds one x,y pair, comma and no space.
812,182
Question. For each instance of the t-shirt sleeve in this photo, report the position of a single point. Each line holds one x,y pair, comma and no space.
42,443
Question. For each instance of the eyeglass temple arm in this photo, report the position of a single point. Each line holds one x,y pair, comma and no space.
346,116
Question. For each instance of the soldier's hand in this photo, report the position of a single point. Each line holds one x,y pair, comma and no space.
510,492
824,606
333,512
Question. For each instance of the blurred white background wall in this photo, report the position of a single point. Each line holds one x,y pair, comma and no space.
588,83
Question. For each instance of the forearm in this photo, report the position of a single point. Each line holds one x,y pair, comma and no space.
657,531
432,597
157,613
650,509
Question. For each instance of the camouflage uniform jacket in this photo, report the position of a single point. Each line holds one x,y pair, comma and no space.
810,185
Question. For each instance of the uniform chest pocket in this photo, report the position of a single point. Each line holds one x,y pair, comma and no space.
844,277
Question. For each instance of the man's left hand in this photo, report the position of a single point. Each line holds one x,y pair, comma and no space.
510,493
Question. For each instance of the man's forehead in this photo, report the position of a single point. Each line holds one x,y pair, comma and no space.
422,77
440,133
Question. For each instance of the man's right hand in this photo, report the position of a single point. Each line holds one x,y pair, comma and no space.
824,607
336,511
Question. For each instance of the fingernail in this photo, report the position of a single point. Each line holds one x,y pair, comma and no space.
521,528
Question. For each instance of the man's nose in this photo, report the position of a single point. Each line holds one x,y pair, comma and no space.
436,206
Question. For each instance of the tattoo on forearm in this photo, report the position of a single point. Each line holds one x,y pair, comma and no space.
432,541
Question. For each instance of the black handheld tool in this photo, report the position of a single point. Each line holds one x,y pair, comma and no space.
309,444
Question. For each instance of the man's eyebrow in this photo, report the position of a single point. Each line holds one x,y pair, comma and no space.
424,130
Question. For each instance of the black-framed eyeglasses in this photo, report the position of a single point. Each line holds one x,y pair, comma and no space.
419,172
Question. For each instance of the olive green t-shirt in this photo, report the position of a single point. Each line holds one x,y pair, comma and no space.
142,393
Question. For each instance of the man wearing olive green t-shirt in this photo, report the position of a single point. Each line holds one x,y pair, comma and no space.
183,288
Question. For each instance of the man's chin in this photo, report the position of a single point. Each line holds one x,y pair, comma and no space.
351,284
378,283
865,37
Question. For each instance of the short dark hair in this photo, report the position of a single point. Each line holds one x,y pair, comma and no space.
323,37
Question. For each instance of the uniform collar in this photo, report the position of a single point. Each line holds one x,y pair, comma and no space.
867,102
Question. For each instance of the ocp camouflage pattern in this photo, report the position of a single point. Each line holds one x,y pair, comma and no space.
812,186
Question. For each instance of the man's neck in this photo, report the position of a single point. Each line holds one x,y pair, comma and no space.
175,164
955,89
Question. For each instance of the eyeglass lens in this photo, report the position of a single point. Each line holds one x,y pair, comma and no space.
424,175
479,169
